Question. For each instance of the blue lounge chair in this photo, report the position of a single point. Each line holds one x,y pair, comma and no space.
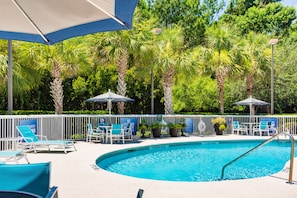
9,150
31,140
26,179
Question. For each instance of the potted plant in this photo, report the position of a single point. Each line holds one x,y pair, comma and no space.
219,125
156,129
183,125
173,129
143,127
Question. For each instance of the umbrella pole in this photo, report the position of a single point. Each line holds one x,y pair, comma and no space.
9,80
109,106
250,113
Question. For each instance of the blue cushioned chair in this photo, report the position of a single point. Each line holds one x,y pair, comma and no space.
261,129
239,128
116,132
30,179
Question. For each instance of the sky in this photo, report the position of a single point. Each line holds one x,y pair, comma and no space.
285,2
290,3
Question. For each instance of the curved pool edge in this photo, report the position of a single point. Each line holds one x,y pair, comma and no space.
75,177
169,144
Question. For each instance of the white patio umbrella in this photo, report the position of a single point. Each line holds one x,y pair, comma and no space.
52,21
251,102
109,98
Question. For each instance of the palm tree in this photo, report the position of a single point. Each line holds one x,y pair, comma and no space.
168,59
64,59
218,57
121,48
3,70
255,46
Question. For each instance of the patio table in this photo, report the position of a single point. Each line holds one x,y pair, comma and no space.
250,126
106,129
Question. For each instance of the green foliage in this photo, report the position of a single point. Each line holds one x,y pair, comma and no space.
196,95
191,15
272,19
156,125
221,122
88,70
174,125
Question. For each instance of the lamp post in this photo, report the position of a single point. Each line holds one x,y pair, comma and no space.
155,31
272,43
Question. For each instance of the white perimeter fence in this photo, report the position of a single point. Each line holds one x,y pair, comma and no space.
75,126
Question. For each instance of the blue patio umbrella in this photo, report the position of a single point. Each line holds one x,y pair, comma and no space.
52,21
49,22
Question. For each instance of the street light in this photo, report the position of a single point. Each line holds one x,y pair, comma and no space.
155,31
272,43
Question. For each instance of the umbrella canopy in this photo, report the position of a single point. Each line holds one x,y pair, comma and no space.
251,102
109,97
51,21
48,22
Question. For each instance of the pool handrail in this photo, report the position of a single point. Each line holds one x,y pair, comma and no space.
290,179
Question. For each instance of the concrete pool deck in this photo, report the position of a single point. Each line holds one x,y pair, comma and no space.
76,176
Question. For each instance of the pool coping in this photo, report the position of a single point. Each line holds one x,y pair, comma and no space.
76,175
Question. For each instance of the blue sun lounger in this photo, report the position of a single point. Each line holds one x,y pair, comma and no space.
9,151
26,180
31,140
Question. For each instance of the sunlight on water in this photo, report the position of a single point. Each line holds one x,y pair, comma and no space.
199,161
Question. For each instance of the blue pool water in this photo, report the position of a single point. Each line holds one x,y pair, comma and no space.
198,161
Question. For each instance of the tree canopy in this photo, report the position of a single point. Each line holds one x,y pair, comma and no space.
201,60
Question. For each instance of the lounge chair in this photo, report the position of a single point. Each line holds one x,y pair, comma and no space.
10,152
239,128
26,180
98,134
32,140
116,132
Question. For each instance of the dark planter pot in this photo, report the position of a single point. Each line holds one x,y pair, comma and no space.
143,128
142,131
156,132
173,132
217,130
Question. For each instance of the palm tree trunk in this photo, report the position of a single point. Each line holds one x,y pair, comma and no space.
122,85
250,84
57,88
167,88
221,74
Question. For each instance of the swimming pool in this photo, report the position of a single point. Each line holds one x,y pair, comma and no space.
198,161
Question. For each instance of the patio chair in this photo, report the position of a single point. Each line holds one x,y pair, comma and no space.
102,125
261,129
116,132
98,134
239,128
32,141
128,131
272,128
26,180
10,151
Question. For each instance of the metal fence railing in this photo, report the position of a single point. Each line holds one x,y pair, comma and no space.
75,126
